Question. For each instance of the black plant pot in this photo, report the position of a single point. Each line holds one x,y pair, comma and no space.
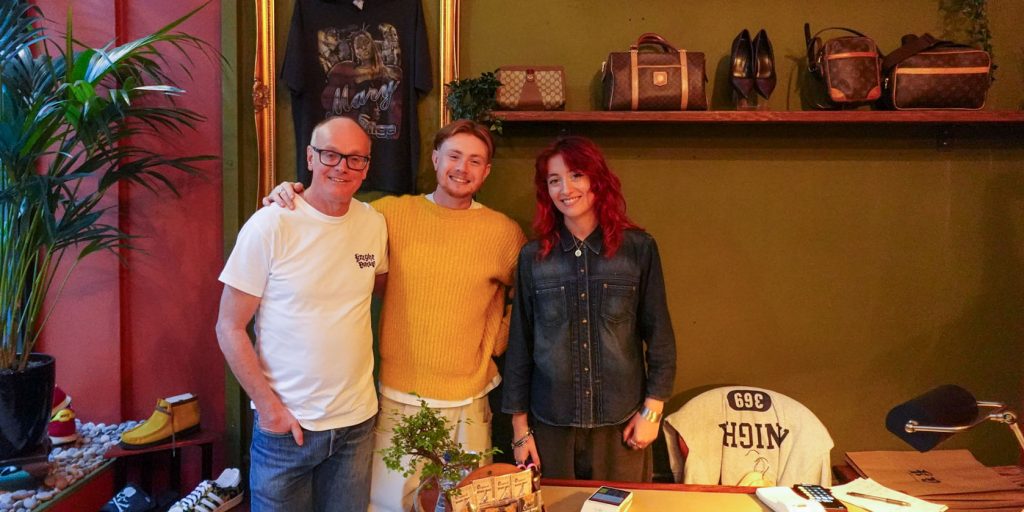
25,401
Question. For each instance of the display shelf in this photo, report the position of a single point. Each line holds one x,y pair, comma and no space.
1001,117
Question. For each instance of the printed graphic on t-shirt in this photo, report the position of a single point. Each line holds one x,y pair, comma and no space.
366,260
362,67
751,434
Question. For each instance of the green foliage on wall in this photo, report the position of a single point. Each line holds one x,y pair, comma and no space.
967,20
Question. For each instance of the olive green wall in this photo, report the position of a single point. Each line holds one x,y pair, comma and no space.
850,267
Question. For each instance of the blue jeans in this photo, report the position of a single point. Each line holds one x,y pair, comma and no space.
330,471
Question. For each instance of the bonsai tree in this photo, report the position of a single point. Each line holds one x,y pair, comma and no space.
70,119
425,440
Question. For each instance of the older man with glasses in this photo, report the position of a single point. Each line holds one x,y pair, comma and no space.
308,273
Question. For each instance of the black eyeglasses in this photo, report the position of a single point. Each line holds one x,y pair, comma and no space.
333,158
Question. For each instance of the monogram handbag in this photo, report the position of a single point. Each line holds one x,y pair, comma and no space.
927,73
848,68
664,78
531,88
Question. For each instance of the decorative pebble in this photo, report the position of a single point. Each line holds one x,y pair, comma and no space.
68,464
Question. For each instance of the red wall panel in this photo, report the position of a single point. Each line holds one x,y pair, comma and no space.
126,336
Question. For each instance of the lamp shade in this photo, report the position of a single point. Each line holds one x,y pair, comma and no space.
946,406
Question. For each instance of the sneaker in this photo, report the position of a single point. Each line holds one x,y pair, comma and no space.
129,499
13,478
175,416
61,400
61,428
213,495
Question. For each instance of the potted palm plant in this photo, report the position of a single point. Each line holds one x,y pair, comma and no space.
70,117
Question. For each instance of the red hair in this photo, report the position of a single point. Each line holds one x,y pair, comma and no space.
580,154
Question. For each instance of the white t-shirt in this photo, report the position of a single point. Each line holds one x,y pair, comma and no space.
314,274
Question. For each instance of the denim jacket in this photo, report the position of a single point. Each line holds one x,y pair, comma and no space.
583,329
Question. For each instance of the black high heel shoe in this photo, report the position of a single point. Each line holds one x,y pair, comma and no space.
764,64
742,68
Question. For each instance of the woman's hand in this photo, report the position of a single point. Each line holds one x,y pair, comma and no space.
526,452
284,194
641,432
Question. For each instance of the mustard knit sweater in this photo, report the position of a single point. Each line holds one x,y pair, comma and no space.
443,316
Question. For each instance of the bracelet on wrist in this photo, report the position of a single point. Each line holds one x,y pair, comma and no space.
650,415
522,440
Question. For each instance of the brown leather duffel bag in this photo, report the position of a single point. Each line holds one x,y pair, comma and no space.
663,79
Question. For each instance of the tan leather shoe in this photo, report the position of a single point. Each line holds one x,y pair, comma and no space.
173,417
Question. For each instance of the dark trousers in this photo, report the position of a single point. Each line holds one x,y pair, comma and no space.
590,454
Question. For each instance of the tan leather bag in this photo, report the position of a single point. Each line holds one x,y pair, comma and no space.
531,88
663,79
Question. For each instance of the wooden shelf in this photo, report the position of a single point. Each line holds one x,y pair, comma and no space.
1002,117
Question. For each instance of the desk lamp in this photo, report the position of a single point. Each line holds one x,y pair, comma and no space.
927,420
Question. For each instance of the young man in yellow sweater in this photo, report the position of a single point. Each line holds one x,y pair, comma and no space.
444,316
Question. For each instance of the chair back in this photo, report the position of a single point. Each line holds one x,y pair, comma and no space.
732,431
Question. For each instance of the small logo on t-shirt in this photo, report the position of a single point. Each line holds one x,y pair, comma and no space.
366,260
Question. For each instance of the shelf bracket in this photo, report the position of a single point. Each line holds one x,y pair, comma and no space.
944,138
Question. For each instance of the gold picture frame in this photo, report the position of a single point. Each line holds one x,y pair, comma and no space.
265,84
449,49
264,101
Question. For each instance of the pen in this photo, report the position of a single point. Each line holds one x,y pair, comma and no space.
879,498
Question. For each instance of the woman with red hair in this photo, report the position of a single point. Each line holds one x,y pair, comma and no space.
591,356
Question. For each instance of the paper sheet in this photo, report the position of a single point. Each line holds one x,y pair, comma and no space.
873,488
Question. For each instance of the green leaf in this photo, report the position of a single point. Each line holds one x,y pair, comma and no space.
69,131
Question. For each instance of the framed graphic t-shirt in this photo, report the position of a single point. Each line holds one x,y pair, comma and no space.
371,64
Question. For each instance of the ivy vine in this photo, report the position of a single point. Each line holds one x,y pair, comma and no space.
968,20
474,98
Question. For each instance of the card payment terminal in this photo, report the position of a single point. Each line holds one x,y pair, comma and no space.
608,499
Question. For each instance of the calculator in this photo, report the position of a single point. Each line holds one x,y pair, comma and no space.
821,495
